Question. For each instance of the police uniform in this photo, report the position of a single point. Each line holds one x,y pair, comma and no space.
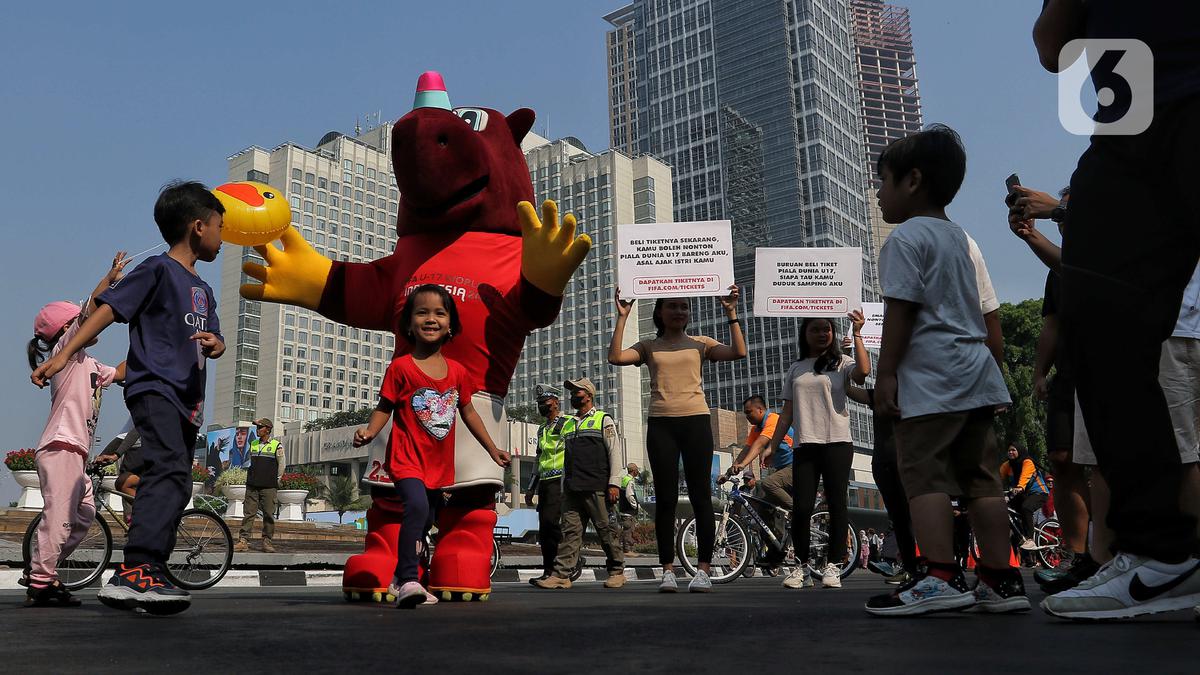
547,482
591,466
627,508
262,486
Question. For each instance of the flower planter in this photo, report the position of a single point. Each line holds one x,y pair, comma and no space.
31,494
236,494
197,488
111,498
291,505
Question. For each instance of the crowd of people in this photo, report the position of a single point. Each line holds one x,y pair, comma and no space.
1121,335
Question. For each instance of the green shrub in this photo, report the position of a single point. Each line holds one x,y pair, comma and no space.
229,477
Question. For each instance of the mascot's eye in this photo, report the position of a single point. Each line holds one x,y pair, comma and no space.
268,195
474,117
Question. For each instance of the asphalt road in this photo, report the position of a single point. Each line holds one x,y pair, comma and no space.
750,626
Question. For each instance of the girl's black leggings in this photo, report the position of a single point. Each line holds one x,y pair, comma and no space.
420,509
668,439
830,462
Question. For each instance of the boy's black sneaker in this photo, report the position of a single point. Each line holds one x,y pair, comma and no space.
1006,596
54,595
144,587
925,594
1059,579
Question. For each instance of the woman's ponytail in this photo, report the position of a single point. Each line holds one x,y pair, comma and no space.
37,351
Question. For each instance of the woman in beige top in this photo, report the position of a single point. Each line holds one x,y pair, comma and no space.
678,425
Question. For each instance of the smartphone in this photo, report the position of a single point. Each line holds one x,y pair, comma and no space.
1010,183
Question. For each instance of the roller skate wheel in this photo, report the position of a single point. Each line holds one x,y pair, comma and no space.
467,597
376,597
447,596
484,597
391,598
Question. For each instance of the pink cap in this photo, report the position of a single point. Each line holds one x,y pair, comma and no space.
431,80
53,318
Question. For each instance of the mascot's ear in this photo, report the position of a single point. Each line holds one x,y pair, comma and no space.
520,121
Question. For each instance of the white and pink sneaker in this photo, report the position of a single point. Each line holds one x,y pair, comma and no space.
408,595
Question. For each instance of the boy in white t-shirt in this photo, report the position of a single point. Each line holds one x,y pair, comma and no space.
937,375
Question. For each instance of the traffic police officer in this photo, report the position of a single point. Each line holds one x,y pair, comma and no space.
262,486
547,480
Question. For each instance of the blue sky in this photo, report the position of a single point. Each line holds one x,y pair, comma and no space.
104,102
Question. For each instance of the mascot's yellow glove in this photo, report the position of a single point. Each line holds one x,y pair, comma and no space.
294,275
550,253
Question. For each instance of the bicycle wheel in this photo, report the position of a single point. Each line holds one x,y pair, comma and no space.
731,549
818,546
1049,534
85,564
495,558
203,550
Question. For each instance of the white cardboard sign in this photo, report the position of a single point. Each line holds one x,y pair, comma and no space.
872,330
821,281
669,260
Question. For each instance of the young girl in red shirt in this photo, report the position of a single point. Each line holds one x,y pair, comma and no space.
421,393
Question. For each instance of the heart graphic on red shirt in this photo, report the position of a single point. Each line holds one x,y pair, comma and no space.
435,411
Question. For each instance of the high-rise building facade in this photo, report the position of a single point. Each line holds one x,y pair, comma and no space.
887,85
290,363
755,106
622,106
602,190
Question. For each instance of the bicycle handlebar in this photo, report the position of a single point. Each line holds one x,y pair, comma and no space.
95,468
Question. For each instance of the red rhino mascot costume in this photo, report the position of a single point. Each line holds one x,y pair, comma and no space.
465,222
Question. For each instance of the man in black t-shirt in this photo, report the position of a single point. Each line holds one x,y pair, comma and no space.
1136,275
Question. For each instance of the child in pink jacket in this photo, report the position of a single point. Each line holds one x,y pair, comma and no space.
62,450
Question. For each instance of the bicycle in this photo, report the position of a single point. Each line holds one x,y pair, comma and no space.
431,544
1050,546
745,534
203,550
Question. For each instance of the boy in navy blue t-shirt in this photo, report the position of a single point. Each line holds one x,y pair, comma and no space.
173,331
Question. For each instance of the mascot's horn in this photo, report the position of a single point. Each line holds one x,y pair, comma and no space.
431,92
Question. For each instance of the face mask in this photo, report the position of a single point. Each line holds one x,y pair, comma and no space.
577,400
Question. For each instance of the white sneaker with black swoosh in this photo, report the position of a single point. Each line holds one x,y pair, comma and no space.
1129,586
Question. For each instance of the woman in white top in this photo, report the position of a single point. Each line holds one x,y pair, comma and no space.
814,404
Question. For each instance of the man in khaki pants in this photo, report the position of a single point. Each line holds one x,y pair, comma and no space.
591,475
262,486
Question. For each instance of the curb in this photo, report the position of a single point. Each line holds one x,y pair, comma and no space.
587,574
232,579
276,578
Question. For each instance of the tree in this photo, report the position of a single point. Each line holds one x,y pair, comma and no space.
343,497
346,418
524,413
1025,421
